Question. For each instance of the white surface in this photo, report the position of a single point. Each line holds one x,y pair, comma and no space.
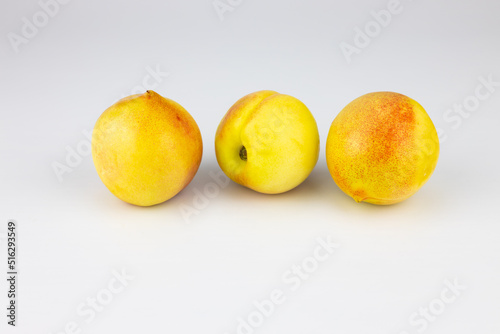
200,277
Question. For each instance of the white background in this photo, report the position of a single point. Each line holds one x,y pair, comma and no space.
202,276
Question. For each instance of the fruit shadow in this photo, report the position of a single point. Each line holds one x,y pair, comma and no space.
210,185
314,188
324,191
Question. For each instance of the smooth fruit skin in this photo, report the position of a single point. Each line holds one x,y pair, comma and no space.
381,148
146,148
280,137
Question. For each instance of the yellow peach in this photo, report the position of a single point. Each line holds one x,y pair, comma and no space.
268,142
381,148
146,148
